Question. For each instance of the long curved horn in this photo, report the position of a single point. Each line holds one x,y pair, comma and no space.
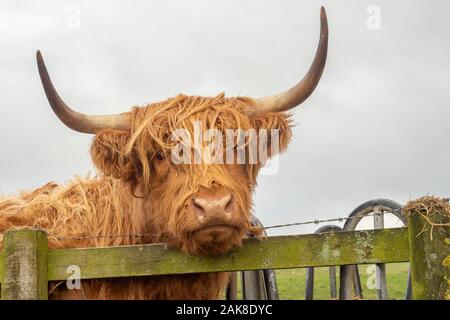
301,91
75,120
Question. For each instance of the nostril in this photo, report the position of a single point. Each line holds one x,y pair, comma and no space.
198,206
229,203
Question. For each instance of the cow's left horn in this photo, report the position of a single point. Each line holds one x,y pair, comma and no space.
73,119
301,91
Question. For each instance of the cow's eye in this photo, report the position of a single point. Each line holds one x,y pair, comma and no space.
159,156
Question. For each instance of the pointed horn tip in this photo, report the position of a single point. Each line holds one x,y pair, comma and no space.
323,15
40,59
323,22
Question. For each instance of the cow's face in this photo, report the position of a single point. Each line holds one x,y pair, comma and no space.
196,195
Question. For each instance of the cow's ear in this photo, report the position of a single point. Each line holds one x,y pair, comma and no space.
108,154
278,126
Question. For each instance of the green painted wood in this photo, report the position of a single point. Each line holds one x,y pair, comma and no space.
25,265
357,247
430,277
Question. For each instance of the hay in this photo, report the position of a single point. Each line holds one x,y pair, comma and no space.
434,210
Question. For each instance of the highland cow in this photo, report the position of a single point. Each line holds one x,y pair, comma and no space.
201,209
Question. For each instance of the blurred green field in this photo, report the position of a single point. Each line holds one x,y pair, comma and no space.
291,282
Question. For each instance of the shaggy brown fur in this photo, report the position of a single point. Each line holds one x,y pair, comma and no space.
140,191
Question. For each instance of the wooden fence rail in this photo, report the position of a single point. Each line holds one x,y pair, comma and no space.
26,263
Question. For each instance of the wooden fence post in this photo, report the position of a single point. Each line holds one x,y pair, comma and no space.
25,265
429,253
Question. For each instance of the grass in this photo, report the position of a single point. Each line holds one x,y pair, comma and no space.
291,282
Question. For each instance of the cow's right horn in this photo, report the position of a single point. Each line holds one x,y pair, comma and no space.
301,91
73,119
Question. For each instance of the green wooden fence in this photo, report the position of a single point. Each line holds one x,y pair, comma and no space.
27,264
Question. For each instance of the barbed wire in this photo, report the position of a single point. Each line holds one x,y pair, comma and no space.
315,221
141,235
318,221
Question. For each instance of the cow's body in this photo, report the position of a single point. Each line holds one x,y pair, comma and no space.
98,212
98,207
201,205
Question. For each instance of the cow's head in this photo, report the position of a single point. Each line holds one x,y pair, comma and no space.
195,197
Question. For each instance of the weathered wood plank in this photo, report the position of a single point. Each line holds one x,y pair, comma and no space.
429,273
359,247
25,265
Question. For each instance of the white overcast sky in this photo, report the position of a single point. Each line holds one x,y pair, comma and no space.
376,126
